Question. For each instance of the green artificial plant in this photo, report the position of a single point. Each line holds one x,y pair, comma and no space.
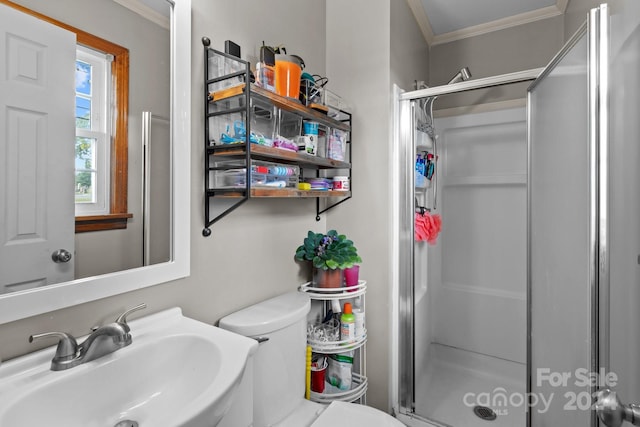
328,251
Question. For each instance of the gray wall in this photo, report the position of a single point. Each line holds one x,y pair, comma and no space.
513,49
409,51
363,62
357,64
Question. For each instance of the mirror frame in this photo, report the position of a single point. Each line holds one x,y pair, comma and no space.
19,305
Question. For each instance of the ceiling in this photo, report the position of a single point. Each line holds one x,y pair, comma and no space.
443,21
157,11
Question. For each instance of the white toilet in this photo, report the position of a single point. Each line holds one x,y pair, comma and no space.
275,376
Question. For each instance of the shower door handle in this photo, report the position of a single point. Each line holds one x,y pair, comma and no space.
613,412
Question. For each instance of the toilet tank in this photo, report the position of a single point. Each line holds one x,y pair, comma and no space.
279,363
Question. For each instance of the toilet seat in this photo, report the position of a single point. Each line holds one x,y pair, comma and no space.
304,415
342,413
314,414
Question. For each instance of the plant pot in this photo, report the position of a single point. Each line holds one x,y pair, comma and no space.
327,278
351,276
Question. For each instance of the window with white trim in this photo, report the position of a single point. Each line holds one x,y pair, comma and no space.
93,133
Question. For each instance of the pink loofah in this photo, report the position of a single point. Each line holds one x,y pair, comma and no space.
427,227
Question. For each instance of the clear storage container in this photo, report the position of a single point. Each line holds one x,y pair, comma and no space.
263,174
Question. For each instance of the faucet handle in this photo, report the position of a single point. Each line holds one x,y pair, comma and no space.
67,344
123,317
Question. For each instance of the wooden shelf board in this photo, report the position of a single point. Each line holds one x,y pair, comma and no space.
283,193
285,103
271,153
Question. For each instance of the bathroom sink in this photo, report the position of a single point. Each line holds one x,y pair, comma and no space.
177,372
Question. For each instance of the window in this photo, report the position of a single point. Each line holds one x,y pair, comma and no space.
107,168
93,97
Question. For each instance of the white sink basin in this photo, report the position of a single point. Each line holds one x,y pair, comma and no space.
177,372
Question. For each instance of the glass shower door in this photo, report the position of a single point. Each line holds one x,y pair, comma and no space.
584,233
619,314
561,237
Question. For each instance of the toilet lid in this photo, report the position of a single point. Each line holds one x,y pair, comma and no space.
342,413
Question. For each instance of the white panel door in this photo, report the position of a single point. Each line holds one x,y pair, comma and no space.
37,133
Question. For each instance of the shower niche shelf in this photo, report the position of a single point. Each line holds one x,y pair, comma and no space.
321,299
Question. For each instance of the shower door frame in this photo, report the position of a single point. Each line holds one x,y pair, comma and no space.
403,265
596,31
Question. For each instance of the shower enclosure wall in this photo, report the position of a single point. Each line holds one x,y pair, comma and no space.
470,287
565,223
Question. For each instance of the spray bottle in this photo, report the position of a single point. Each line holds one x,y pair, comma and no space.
347,324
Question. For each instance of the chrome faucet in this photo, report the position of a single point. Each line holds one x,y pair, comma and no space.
103,340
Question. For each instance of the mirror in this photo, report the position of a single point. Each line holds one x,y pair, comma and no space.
29,302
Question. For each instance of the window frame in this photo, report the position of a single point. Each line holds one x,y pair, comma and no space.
119,159
118,216
100,129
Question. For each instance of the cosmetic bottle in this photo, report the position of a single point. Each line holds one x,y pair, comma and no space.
347,324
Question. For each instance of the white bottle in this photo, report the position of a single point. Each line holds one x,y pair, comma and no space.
360,330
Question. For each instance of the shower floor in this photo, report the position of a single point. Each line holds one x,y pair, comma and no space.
454,375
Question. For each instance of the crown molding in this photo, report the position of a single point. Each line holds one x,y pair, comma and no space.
146,12
422,19
562,5
500,24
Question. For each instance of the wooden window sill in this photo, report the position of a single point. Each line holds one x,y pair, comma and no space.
102,222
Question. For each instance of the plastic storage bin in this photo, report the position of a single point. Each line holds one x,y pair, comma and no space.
263,120
263,174
220,66
231,128
337,144
334,102
289,124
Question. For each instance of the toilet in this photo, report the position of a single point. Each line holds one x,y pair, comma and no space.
273,383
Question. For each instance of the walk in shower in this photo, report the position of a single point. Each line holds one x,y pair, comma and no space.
464,332
520,311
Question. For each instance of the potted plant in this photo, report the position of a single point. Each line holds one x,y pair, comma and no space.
329,254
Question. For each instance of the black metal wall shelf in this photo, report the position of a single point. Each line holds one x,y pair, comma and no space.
235,98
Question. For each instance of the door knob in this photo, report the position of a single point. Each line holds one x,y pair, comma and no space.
61,255
613,412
